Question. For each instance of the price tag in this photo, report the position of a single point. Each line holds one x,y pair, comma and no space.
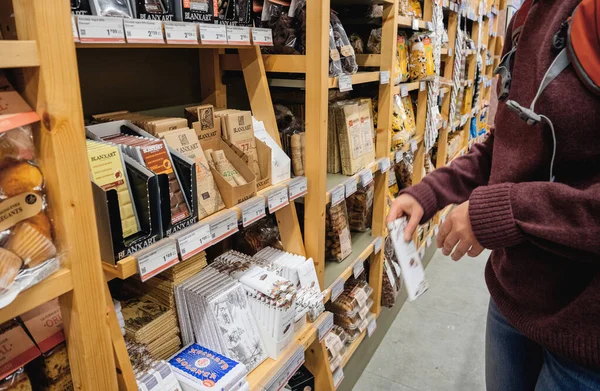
94,29
429,26
338,376
404,90
384,77
372,327
345,83
143,31
238,35
391,180
181,33
413,146
253,210
358,268
223,227
350,187
156,259
193,240
436,230
449,52
422,86
297,187
445,3
366,177
337,290
213,34
75,32
325,326
384,164
445,125
415,24
278,199
377,244
262,37
470,83
337,194
399,155
429,241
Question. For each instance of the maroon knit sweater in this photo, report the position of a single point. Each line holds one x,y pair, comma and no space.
544,271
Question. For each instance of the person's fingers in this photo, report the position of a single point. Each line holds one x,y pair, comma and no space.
475,250
415,217
450,242
460,250
445,229
396,211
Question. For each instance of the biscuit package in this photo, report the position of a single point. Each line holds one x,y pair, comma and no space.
26,238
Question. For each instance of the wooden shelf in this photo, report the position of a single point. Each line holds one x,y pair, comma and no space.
411,86
54,286
334,180
15,54
406,147
352,348
357,78
157,46
282,63
368,60
406,22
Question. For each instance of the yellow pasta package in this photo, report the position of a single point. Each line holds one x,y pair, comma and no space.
402,58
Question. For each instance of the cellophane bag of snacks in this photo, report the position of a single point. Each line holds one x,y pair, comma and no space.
18,380
392,280
404,170
27,250
342,42
360,208
402,57
420,64
338,243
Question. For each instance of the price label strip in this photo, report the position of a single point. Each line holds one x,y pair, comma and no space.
345,83
75,31
350,187
337,194
384,77
278,199
253,210
326,325
143,31
358,268
94,29
371,327
366,177
181,33
422,86
297,187
156,259
338,376
404,90
238,35
413,146
213,34
384,164
285,373
193,240
377,243
337,290
399,155
223,227
415,24
262,37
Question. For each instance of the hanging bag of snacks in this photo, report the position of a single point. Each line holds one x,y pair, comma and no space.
420,63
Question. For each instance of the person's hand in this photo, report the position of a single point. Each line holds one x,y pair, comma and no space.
457,230
406,205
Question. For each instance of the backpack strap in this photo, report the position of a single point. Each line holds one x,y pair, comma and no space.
583,43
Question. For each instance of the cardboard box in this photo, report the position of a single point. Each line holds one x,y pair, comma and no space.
155,10
264,162
16,348
45,325
206,128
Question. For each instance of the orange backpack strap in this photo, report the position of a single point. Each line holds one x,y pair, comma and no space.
583,43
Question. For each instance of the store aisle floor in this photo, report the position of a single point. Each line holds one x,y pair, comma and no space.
437,342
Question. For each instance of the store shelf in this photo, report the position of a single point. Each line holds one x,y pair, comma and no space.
157,46
352,348
406,22
368,60
357,78
406,147
15,54
412,86
334,180
54,286
276,63
362,248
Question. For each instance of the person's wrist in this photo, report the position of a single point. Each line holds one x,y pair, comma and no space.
425,196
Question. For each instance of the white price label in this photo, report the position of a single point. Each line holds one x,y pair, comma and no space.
404,90
384,164
157,259
366,177
359,268
350,187
337,194
445,125
377,244
238,35
94,29
413,146
429,26
75,32
326,325
422,86
253,210
297,187
181,33
143,31
223,227
345,83
371,327
399,155
262,37
213,34
449,52
337,290
415,24
192,242
384,77
278,199
429,241
338,376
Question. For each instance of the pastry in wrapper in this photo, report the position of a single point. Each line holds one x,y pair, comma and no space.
19,178
10,264
41,221
30,244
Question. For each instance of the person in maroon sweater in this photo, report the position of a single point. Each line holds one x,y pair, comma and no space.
543,328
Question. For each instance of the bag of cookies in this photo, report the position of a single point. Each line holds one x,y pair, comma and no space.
342,42
404,170
360,208
338,243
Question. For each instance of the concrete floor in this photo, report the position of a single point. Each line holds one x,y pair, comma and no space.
436,342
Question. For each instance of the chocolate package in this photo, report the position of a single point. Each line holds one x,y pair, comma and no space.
155,9
81,7
338,244
202,11
233,12
360,208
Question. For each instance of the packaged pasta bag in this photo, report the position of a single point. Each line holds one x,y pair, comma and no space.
417,11
400,133
411,123
405,9
338,243
26,240
360,208
420,63
402,58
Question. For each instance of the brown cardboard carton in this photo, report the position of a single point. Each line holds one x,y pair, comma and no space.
45,325
240,132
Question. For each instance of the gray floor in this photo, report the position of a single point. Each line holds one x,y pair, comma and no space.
437,341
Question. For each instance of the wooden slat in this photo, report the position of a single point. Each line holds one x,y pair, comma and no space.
369,60
16,54
53,90
406,22
412,86
357,78
156,46
212,90
286,63
57,284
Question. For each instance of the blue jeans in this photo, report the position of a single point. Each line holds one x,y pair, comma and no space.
513,362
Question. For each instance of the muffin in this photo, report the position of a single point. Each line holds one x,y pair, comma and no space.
20,178
29,243
41,221
10,264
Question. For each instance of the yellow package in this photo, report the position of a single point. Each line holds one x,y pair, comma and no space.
402,58
416,8
420,63
411,124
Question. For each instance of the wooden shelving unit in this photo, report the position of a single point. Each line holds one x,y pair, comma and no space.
99,360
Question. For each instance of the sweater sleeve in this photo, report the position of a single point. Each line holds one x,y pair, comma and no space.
553,216
453,184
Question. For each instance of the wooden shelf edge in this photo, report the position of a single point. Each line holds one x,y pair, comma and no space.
275,63
54,286
80,45
410,86
357,78
406,22
18,54
368,60
374,166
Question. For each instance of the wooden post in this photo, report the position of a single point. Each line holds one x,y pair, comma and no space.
317,362
212,90
53,90
317,88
